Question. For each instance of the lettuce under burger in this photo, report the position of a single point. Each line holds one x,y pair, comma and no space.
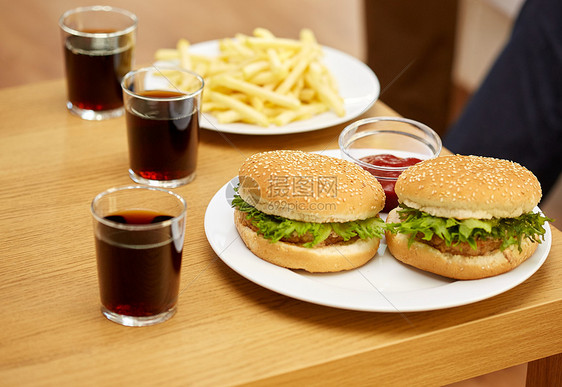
308,234
463,235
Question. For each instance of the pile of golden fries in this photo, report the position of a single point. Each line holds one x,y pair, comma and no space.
261,79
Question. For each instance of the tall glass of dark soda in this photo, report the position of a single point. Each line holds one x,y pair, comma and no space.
162,108
98,45
139,236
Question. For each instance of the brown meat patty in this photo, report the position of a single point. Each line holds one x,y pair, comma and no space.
483,246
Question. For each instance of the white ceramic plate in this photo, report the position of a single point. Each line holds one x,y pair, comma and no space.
382,285
357,83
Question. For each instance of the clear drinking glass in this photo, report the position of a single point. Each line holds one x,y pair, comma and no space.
139,233
99,43
162,110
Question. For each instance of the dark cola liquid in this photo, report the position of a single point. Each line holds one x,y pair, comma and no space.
162,148
136,278
94,74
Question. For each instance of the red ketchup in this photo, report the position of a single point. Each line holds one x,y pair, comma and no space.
388,178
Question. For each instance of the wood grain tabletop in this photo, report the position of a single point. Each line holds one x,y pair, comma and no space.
228,330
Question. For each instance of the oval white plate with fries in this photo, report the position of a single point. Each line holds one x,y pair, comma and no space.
356,88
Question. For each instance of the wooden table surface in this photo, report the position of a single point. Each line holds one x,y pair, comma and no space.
228,330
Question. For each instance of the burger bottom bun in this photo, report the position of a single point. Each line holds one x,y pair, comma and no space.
427,258
315,260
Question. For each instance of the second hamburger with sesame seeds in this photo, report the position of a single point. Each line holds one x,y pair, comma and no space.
307,211
465,217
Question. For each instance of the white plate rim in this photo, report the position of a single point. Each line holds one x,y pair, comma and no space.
225,241
337,61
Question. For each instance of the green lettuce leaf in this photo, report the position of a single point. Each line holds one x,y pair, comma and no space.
454,231
274,228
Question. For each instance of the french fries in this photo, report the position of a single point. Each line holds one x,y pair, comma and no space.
261,79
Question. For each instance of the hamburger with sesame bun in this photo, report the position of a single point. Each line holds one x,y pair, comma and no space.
465,217
308,211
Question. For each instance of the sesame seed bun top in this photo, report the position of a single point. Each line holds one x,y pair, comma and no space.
309,187
469,187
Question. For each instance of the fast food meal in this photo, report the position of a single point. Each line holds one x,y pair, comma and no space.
465,217
308,211
262,79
